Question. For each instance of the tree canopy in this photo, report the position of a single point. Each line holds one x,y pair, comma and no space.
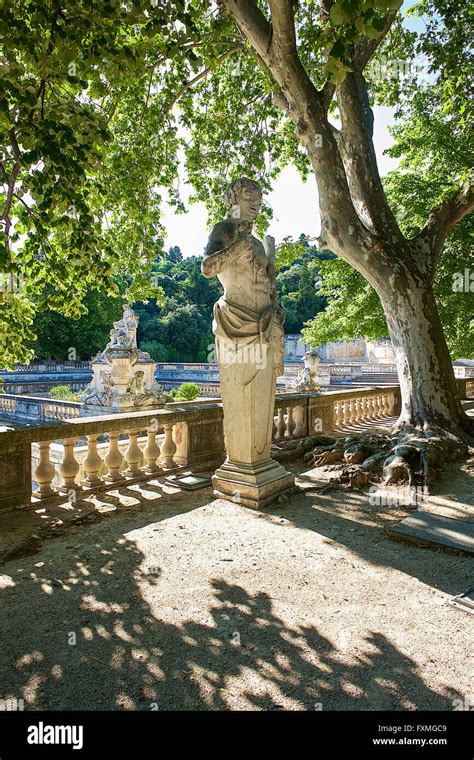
105,106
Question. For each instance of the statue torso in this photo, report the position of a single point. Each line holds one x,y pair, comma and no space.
245,280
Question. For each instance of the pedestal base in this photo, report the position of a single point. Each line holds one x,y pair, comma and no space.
255,486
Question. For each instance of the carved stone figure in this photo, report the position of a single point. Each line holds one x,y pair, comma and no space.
248,325
307,379
139,394
101,393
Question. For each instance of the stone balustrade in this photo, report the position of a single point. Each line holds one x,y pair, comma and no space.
32,407
91,453
377,368
52,367
298,415
85,454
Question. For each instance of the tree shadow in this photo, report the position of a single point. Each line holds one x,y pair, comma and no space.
322,514
78,633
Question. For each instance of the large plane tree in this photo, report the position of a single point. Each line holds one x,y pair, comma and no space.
357,222
314,55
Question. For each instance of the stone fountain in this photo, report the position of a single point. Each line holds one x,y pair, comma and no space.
123,376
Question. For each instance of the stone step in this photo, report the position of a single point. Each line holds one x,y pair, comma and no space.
428,527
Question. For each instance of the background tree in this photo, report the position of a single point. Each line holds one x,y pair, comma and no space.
60,337
174,254
299,282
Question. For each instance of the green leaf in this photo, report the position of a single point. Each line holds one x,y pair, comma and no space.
337,14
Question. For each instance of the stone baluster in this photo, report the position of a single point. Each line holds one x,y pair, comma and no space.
44,472
347,411
281,424
114,459
340,412
69,467
378,407
290,423
384,405
357,409
274,428
300,421
365,408
168,448
353,411
133,455
381,406
92,463
373,411
368,408
151,453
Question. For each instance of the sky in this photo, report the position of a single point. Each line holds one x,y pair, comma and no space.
294,202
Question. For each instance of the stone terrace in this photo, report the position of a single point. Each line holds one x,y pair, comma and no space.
164,599
139,595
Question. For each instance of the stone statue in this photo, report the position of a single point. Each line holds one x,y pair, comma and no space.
129,381
139,394
101,393
248,325
307,379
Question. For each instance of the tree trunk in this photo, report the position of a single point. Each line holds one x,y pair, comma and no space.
425,371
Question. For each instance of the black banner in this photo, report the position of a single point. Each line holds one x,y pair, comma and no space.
136,734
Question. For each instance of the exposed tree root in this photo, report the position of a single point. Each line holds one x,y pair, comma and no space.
408,456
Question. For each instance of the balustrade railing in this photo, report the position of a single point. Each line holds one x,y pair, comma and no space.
85,454
34,407
51,367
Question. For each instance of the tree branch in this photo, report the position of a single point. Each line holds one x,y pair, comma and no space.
355,143
283,23
252,22
365,48
11,185
442,220
202,74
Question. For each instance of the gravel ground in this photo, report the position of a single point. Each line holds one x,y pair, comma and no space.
178,601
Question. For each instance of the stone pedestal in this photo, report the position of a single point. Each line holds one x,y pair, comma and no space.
199,442
15,477
249,476
253,485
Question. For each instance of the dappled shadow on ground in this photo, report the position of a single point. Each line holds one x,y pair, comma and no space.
338,518
77,633
22,531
